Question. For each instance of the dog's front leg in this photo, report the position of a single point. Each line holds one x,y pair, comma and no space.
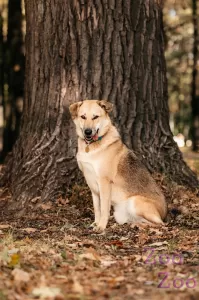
96,206
105,204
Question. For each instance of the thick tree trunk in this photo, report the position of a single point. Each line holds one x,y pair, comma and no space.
96,50
195,79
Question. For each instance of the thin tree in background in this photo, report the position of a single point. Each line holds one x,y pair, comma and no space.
1,78
91,50
14,76
195,79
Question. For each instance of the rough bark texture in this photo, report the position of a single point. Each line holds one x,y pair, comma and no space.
195,79
96,50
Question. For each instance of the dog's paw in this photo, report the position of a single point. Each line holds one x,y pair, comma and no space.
92,225
99,229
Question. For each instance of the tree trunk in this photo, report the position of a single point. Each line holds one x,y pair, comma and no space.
91,50
1,79
195,80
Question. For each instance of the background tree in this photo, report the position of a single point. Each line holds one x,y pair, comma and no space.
178,26
2,58
14,76
96,50
195,79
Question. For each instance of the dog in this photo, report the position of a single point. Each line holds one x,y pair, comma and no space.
113,172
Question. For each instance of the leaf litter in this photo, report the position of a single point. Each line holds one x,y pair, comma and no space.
51,253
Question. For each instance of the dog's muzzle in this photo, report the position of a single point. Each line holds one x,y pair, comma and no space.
88,134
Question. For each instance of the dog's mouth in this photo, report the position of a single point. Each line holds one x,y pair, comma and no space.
92,138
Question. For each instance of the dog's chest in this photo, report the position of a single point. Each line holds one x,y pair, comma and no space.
88,168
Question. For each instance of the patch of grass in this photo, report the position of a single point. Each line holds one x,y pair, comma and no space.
7,240
2,296
172,246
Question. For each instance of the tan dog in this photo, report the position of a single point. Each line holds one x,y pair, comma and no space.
113,172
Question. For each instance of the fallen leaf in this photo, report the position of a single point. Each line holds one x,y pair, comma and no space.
124,238
88,256
4,226
14,260
149,282
29,230
157,244
141,278
162,248
133,291
91,254
119,278
138,257
45,206
77,287
62,201
46,292
13,251
139,292
115,243
20,275
107,263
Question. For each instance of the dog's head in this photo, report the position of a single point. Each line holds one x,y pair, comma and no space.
91,118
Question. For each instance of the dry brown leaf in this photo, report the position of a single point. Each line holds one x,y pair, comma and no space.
46,292
90,254
62,201
141,278
138,257
45,206
29,230
119,278
107,263
4,226
77,287
20,275
134,291
157,244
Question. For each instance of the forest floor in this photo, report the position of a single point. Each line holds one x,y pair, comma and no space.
51,253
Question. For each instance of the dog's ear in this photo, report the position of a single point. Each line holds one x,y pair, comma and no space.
107,106
73,109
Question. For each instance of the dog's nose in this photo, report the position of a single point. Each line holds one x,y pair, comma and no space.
88,131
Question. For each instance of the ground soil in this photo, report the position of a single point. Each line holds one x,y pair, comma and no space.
50,252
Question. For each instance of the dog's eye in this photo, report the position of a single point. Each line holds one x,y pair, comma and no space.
83,117
95,117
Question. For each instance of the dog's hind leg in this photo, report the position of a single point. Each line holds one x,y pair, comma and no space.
143,210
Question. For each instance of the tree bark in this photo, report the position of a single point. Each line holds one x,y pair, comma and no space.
1,79
195,80
92,50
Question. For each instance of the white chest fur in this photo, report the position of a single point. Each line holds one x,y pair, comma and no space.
88,166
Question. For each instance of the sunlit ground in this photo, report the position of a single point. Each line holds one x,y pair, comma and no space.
191,158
